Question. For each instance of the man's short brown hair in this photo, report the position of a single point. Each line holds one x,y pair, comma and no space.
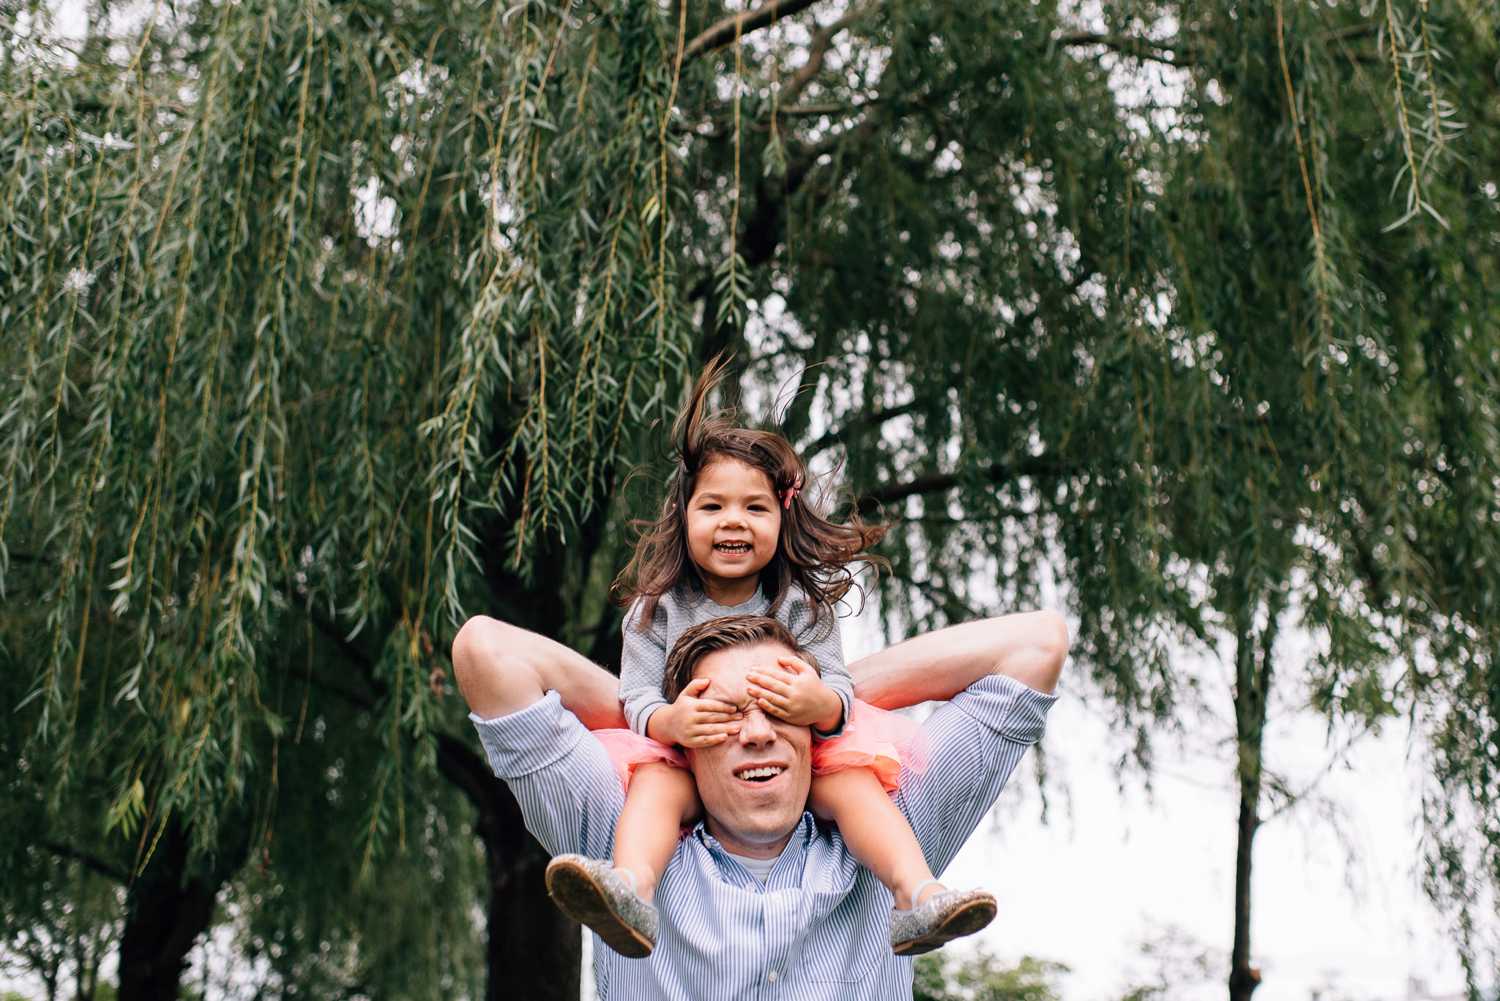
721,634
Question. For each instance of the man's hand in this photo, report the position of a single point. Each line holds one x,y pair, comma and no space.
792,691
693,721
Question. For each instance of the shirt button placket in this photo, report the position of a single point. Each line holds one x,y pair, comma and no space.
781,928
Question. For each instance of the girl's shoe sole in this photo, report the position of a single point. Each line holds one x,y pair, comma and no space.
581,897
964,920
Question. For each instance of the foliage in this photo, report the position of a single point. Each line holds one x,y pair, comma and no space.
1177,964
65,938
941,976
225,412
408,924
61,877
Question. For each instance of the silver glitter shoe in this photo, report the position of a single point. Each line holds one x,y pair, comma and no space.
944,917
593,893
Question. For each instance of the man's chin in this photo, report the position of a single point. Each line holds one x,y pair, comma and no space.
762,830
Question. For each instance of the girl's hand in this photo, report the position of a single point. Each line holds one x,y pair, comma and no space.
693,721
792,691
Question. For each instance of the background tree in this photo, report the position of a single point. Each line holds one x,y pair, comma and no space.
980,977
334,324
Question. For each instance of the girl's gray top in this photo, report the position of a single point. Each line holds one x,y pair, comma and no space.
643,661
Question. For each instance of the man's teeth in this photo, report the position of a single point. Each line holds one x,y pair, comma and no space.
768,772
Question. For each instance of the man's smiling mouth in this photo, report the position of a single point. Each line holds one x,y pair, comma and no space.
759,773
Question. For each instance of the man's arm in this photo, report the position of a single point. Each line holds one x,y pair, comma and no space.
502,669
560,775
975,743
530,699
996,678
1028,646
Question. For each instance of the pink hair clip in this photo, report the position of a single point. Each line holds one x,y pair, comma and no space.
790,492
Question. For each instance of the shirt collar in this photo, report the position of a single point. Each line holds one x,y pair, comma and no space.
735,874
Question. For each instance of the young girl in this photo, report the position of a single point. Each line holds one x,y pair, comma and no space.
736,536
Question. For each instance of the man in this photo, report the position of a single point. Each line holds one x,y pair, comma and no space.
760,901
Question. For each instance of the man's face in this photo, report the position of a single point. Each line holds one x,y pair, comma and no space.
753,785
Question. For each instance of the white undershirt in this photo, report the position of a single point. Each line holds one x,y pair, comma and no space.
760,868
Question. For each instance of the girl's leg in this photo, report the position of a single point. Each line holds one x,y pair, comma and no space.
614,898
502,669
660,801
1029,647
875,831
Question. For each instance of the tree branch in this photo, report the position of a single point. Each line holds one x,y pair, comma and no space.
949,599
934,483
761,232
1137,48
810,110
363,699
1004,512
817,53
1291,798
724,31
456,760
91,862
864,421
1084,274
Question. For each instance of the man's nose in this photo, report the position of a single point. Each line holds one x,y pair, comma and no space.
756,729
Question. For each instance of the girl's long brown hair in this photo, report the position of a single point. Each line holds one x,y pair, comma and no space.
813,553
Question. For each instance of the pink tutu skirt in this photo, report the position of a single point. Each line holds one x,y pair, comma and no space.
629,750
884,742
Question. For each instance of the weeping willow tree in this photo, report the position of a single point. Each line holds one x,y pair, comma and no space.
328,322
328,325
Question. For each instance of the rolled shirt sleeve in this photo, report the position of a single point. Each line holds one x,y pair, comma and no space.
560,775
975,742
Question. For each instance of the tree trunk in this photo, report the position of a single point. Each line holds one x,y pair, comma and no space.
167,907
1244,978
533,950
1253,659
86,950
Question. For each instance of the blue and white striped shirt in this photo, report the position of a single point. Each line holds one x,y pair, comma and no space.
819,927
